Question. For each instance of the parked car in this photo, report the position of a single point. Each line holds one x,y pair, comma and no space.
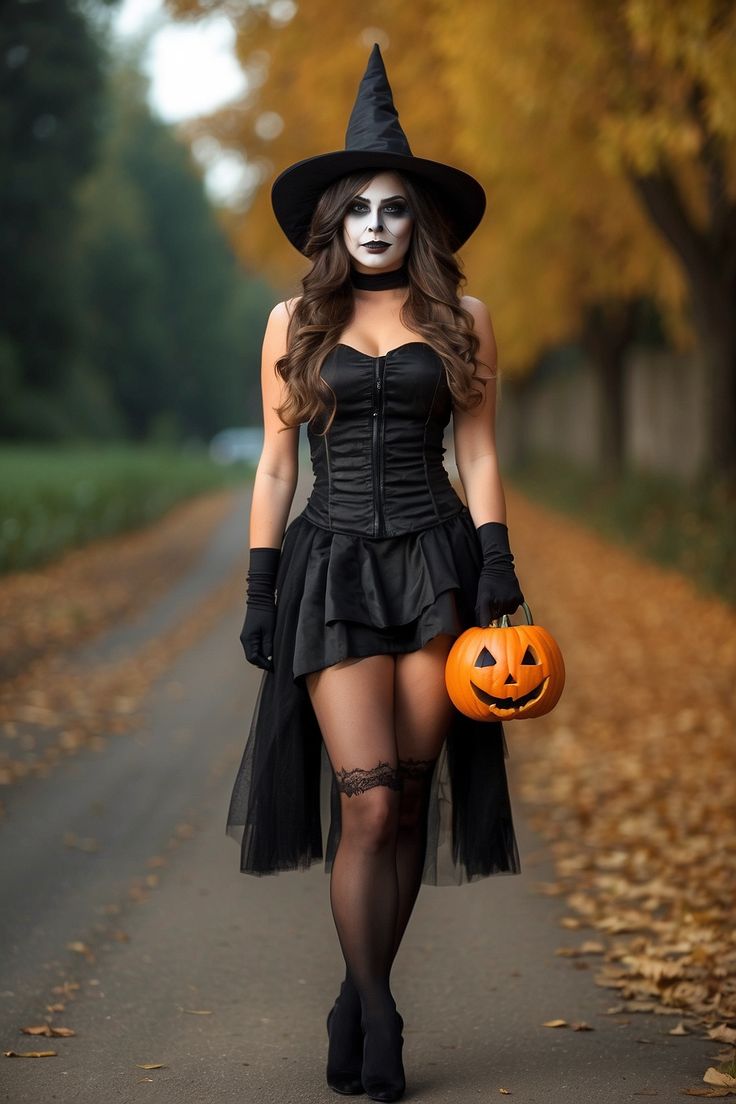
237,443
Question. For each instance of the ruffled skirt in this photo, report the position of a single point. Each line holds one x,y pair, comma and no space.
340,595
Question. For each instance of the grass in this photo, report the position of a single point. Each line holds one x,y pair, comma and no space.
53,498
728,1068
691,527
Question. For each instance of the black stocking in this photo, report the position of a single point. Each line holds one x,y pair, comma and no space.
415,776
364,889
377,869
354,703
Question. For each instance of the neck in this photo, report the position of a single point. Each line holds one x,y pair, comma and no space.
378,281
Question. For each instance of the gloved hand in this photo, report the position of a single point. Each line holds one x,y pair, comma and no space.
256,636
498,587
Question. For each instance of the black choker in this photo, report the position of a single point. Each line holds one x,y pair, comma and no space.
378,281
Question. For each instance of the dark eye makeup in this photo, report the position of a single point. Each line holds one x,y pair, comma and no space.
358,207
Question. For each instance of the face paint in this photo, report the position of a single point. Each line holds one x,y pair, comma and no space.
379,213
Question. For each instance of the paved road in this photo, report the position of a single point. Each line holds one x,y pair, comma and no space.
475,978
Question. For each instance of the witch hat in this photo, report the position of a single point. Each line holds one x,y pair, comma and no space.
374,140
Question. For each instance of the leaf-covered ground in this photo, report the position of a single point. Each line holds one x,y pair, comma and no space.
50,704
632,777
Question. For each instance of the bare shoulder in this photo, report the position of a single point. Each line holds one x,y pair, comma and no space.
478,309
290,304
281,314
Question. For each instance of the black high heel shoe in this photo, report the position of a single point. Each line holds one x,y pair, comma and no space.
345,1051
382,1073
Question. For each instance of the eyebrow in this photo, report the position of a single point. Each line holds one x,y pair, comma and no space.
389,200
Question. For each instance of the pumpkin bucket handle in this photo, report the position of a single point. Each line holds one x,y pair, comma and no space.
504,622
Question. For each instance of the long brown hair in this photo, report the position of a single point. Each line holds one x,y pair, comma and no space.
432,308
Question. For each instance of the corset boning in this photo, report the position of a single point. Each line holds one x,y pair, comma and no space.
379,469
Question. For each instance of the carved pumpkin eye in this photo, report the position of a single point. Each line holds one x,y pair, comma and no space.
485,659
529,656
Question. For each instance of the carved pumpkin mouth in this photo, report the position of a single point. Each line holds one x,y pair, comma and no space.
508,703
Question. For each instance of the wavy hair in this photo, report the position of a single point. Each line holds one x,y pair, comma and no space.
432,308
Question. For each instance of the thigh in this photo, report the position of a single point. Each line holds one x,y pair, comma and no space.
422,707
354,705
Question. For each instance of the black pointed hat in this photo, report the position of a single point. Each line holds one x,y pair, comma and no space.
374,140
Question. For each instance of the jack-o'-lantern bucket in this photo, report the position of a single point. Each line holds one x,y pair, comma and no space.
505,672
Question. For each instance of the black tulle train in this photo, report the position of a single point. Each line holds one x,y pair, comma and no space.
340,595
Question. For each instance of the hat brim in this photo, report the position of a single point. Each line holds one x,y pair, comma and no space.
296,191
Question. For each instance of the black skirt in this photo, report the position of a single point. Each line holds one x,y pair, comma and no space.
339,595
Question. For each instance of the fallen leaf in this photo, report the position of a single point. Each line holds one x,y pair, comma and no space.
80,948
550,889
555,1023
706,1092
151,1065
68,988
723,1033
713,1076
48,1029
29,1053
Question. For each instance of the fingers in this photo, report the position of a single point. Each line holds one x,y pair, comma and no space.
489,607
258,648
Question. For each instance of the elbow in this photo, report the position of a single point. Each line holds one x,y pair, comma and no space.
284,473
478,468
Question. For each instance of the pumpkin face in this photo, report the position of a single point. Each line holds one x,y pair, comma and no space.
504,673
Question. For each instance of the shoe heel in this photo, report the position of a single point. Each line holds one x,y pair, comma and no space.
382,1072
344,1058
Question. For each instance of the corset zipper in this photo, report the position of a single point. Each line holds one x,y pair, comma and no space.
377,459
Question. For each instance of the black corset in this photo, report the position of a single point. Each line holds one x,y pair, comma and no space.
379,470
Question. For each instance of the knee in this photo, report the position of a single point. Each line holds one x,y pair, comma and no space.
370,820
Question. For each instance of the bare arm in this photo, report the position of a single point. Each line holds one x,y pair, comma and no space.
474,431
278,467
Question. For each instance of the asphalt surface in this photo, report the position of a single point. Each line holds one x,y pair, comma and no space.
226,979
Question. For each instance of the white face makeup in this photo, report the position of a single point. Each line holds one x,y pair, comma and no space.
379,213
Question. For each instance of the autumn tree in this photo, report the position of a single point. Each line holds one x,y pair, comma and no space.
604,140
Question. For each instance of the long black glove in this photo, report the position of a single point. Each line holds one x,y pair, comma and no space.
256,636
498,587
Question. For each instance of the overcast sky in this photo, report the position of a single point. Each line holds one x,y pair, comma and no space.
193,70
192,66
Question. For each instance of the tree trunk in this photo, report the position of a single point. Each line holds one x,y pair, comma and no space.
708,259
713,316
608,331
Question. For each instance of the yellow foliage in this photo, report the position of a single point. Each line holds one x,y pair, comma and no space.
554,107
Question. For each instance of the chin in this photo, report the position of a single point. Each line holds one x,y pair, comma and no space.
380,260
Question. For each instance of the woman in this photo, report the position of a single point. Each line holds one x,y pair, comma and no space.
354,606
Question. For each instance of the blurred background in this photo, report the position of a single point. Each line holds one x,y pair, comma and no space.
140,257
139,260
